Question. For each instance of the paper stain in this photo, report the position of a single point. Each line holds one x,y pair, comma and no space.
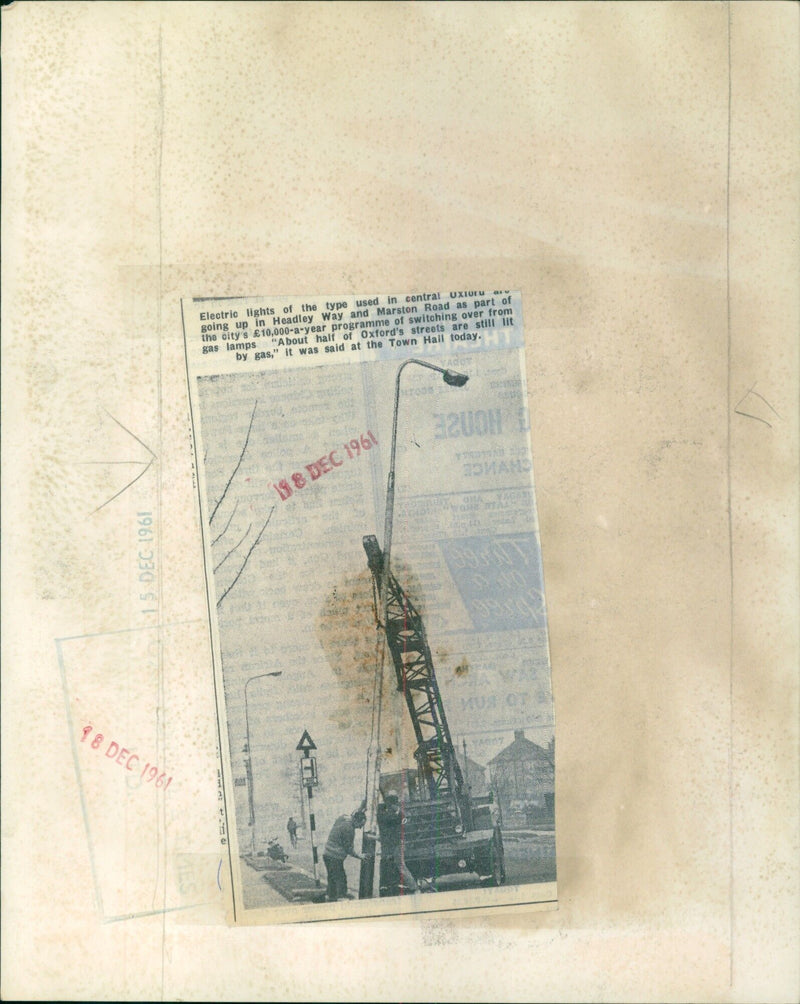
347,631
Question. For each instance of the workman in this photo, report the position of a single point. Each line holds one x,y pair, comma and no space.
393,868
338,847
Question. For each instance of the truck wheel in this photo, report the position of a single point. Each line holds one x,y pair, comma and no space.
496,865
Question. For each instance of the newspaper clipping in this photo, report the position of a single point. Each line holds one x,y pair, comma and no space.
376,603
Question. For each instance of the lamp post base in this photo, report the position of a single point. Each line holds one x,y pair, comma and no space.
366,884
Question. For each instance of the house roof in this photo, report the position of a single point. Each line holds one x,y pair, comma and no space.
472,766
521,749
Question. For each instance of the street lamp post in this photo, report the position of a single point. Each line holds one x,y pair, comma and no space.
249,761
369,839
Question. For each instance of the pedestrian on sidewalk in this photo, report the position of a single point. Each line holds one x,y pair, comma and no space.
291,826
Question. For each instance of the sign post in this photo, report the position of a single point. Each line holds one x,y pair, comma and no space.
308,778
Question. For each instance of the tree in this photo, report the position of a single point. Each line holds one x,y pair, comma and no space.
221,543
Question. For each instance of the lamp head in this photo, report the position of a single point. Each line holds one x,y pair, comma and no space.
455,379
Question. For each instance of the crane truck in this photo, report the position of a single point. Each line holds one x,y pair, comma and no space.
446,830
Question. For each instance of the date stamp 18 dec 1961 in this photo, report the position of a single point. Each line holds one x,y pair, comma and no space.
130,761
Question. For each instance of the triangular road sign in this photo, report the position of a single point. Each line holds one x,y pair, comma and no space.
306,742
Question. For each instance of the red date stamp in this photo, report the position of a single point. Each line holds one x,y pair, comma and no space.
328,462
125,758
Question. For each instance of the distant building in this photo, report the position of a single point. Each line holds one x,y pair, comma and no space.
522,777
474,775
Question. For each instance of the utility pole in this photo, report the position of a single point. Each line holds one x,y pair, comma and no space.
248,764
369,840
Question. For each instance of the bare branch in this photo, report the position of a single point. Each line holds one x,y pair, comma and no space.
213,542
238,465
247,556
217,567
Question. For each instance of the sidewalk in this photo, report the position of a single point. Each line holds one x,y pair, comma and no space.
290,881
256,891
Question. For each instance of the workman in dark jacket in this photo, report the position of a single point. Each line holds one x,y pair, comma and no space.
338,847
390,829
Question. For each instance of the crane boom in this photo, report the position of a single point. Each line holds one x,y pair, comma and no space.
416,679
446,829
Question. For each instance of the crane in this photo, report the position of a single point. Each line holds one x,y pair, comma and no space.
446,830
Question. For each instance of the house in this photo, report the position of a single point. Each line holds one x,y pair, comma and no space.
522,777
474,775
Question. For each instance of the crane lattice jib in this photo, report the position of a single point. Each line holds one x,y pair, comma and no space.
405,636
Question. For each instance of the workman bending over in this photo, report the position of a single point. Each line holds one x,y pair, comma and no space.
338,847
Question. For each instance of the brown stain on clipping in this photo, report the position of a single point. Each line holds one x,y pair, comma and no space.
462,668
347,632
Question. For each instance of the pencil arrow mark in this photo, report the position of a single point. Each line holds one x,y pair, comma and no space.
145,465
755,406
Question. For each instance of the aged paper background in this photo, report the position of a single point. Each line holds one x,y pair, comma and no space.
632,169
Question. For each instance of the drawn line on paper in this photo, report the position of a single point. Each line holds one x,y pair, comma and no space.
130,484
161,880
439,909
219,872
208,608
731,637
766,402
470,491
247,556
236,468
145,465
747,414
76,764
205,299
154,913
84,809
146,627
